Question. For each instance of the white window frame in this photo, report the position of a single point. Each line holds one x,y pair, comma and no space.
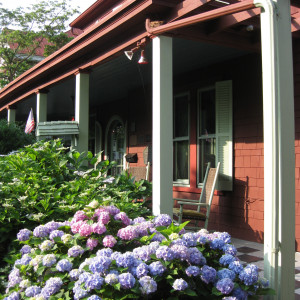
182,182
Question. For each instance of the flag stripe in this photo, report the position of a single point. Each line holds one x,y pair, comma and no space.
30,123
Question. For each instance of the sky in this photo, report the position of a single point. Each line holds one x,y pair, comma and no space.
81,4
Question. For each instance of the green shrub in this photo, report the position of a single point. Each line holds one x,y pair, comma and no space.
13,137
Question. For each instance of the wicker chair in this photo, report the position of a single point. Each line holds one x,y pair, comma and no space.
204,201
139,173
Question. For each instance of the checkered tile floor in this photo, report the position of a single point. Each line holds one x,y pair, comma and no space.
251,252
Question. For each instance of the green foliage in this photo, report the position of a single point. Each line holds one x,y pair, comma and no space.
25,30
47,181
13,137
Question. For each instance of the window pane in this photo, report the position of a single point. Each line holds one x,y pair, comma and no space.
181,119
207,113
181,160
207,153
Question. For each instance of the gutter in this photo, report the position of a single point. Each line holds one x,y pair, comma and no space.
206,16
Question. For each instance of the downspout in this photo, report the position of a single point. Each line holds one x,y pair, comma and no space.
205,16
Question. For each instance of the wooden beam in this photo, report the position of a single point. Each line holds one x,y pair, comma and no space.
231,20
186,7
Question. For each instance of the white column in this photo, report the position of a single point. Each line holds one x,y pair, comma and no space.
279,161
162,175
82,110
41,107
11,115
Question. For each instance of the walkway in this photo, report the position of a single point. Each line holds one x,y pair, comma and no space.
251,252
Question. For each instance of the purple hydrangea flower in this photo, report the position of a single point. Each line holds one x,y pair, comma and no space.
41,231
49,260
74,274
24,235
91,243
94,282
180,284
208,274
56,233
25,249
104,217
32,291
165,253
126,260
126,280
192,271
75,251
109,241
122,217
51,287
25,260
64,265
105,252
98,228
79,292
13,296
180,251
162,220
142,270
14,277
138,220
249,275
52,225
225,286
190,239
112,210
156,268
94,297
79,216
148,285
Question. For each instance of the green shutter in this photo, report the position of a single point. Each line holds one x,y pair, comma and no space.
224,133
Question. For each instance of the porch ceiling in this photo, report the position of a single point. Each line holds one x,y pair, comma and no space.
115,79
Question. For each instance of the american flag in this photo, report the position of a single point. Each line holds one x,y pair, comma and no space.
30,123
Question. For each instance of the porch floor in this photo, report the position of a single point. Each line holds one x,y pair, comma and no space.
251,252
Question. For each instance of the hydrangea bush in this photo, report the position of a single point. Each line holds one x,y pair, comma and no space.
103,254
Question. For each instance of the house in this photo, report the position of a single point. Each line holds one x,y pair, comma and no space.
219,86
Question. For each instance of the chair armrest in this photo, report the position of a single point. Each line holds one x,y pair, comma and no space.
186,200
195,204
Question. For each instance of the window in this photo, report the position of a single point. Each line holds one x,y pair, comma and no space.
181,139
115,144
213,136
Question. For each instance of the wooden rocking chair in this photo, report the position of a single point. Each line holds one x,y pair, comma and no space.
205,200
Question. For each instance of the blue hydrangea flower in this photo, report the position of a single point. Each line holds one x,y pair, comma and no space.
126,260
240,294
190,238
112,279
46,245
100,264
56,233
162,220
195,257
142,270
249,275
192,271
236,267
225,286
226,259
156,268
49,260
94,297
217,244
24,235
225,273
64,265
51,287
25,249
180,284
126,280
225,236
208,274
165,253
148,285
13,296
79,292
263,282
32,291
181,252
203,239
41,231
52,225
105,252
94,282
74,274
230,249
75,251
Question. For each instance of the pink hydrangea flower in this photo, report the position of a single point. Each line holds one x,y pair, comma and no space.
85,229
91,243
104,217
76,226
128,233
98,228
98,211
109,241
122,217
80,216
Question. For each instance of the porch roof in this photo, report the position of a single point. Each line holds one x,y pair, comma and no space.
114,30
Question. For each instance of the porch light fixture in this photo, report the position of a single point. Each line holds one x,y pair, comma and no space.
143,60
